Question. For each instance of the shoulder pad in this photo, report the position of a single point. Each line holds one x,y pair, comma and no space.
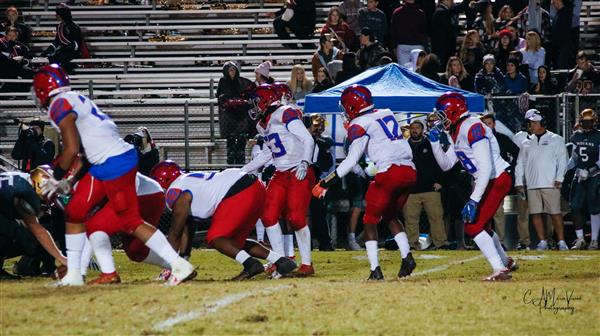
476,132
355,131
59,109
291,114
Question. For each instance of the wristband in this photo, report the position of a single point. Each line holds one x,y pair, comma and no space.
331,179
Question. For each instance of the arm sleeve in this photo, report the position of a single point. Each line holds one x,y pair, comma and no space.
481,150
561,157
446,160
258,161
19,151
356,150
296,127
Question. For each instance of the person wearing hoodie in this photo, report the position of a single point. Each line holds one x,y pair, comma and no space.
416,59
370,50
489,80
326,53
349,68
234,122
68,41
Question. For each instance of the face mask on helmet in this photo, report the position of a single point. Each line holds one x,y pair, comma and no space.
38,176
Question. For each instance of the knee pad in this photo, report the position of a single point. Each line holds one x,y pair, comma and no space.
473,230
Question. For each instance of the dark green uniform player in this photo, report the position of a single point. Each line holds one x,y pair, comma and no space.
585,189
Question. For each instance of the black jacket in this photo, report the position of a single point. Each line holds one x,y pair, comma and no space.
428,170
324,160
23,29
444,30
33,151
233,110
368,56
508,149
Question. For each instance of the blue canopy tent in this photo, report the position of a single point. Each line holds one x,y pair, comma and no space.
393,87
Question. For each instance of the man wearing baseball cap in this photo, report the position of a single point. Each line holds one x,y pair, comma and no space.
541,166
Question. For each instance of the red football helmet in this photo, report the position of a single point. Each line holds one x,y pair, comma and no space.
165,173
262,98
49,81
355,100
284,93
450,107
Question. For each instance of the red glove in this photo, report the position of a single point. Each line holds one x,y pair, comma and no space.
318,191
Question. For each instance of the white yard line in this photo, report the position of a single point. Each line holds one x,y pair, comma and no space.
212,307
446,266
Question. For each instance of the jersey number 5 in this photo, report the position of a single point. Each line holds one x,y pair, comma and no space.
468,164
384,123
276,145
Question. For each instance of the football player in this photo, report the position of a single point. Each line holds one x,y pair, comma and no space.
585,188
290,146
376,132
111,175
234,201
19,201
474,145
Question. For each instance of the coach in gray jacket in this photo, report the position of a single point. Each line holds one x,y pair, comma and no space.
541,166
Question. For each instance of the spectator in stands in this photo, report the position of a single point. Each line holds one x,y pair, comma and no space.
536,18
489,80
444,30
417,56
335,25
518,40
261,74
456,75
505,15
148,155
484,23
471,42
373,18
385,60
428,7
326,53
541,165
322,81
504,47
584,78
299,83
509,152
370,49
349,68
12,20
32,147
349,10
515,5
546,84
474,61
299,16
408,30
234,122
426,193
68,41
533,54
429,67
14,61
561,37
523,68
514,82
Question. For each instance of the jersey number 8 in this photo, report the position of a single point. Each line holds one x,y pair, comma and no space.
468,164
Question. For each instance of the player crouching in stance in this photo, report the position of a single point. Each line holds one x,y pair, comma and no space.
111,175
234,200
376,132
476,147
291,147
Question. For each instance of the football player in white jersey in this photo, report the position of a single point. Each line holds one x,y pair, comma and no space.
113,167
234,200
376,132
476,147
290,146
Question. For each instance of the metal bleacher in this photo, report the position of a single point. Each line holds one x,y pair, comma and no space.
149,65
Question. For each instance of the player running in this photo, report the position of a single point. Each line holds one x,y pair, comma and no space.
290,146
376,132
112,174
476,147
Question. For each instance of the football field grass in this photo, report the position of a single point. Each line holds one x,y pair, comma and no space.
445,296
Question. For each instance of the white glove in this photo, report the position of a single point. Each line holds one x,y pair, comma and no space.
301,170
582,174
51,186
287,15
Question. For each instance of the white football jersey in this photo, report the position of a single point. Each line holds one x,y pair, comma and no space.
379,134
98,133
287,138
207,190
146,186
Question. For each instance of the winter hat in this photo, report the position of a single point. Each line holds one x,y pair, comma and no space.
263,69
489,58
64,12
505,32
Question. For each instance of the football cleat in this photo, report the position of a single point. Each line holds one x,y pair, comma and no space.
285,265
69,280
164,275
523,247
181,271
593,245
542,246
511,264
106,279
270,268
579,244
407,267
501,275
376,275
252,267
305,271
562,246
